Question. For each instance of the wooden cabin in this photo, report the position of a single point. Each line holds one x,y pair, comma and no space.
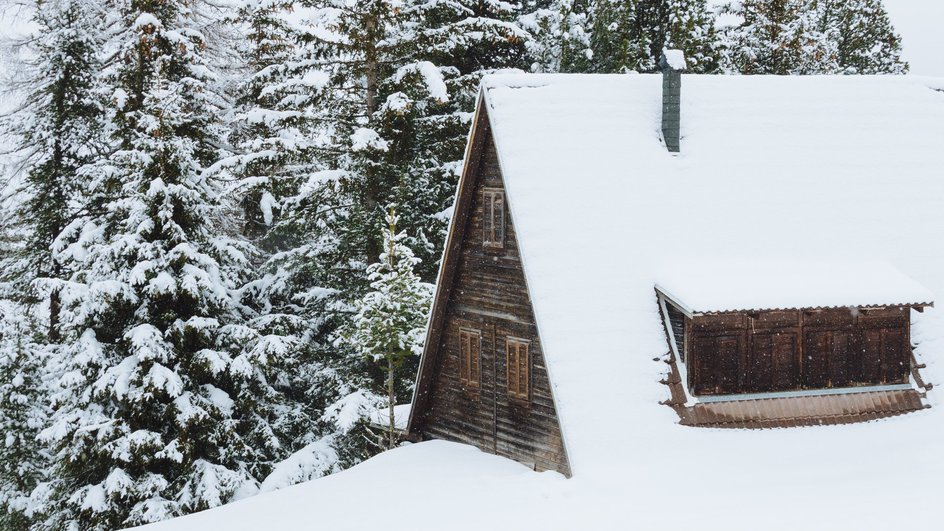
546,343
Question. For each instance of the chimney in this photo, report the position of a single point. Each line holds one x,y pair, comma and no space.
672,64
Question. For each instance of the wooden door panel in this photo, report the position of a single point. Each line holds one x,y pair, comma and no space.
839,359
816,351
759,373
894,353
717,364
785,370
871,348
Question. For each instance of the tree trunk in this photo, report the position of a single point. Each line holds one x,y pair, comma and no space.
392,440
55,307
370,66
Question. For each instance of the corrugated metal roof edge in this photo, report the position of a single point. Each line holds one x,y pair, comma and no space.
691,311
919,305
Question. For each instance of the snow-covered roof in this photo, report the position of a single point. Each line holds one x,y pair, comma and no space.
725,285
775,169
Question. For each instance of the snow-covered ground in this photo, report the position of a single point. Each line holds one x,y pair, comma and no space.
822,168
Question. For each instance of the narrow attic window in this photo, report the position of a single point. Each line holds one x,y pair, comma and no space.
470,348
519,367
493,217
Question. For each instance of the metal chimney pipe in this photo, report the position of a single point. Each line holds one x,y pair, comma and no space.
672,64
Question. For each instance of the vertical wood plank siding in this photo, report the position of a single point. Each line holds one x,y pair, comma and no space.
488,292
739,352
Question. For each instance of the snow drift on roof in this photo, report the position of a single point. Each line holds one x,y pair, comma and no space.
718,286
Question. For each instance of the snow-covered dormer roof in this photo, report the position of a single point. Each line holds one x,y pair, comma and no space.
750,285
773,169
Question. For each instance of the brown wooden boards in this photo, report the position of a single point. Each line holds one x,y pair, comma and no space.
778,351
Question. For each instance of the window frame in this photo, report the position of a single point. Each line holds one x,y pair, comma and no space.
493,236
474,379
517,392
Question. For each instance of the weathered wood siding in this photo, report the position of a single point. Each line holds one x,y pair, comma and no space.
772,351
489,293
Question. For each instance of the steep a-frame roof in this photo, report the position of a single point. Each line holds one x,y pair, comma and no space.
808,169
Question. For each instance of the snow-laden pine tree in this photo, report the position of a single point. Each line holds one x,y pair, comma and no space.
23,463
58,132
863,35
782,37
560,36
689,25
619,38
275,129
632,35
389,323
169,400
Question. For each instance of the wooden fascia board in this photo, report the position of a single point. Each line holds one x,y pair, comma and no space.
664,294
449,262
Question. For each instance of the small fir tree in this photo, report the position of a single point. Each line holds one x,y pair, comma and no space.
389,321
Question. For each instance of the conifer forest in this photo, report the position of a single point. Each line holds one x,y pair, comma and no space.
221,220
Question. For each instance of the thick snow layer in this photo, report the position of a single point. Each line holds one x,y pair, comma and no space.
751,285
816,169
675,59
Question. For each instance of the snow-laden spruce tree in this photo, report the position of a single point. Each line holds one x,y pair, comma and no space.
865,40
389,323
275,131
560,36
23,462
619,38
781,37
57,131
632,35
689,25
169,400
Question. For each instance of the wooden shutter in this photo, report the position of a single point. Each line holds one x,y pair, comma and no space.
759,376
498,219
518,368
839,359
816,351
475,356
493,217
872,355
886,357
785,372
470,352
717,364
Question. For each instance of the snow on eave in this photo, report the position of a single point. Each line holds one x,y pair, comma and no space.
723,286
690,312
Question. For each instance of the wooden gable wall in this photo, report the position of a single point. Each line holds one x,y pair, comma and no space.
483,288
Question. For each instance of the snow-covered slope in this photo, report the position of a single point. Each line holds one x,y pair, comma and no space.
773,169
